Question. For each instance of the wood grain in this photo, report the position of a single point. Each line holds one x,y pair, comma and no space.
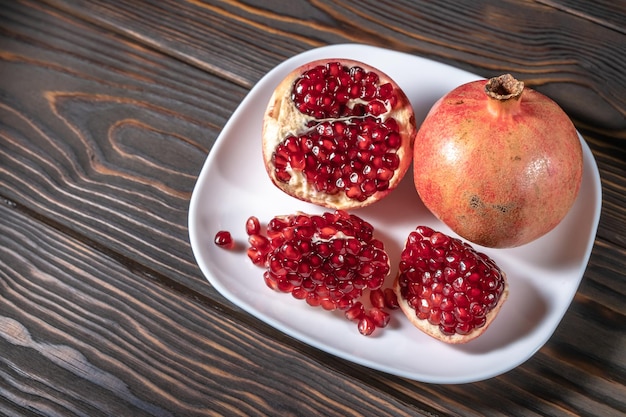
80,335
84,125
566,55
102,308
603,12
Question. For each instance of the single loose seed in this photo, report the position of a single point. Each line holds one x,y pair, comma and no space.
224,239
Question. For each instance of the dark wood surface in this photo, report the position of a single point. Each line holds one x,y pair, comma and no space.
103,310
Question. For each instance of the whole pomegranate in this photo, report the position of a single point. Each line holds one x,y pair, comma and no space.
338,133
446,288
498,163
329,260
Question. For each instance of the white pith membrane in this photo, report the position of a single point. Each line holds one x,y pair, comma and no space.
283,119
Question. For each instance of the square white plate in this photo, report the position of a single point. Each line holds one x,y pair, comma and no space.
233,185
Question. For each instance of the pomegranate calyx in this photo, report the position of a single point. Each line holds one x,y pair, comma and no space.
504,94
504,87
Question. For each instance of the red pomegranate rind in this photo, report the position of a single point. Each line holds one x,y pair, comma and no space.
338,133
327,260
446,288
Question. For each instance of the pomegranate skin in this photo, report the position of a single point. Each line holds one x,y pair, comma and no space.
500,167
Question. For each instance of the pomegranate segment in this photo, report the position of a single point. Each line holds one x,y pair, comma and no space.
446,288
338,133
327,260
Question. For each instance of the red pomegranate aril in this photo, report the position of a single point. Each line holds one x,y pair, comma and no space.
253,226
446,304
435,300
355,312
446,288
299,293
344,302
379,317
435,317
391,299
258,241
366,325
224,239
423,306
256,256
294,279
463,328
312,299
345,287
385,91
328,304
328,261
377,298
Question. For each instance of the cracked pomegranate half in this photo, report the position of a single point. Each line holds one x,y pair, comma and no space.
329,260
446,288
338,133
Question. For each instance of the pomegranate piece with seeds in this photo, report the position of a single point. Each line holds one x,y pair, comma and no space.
338,133
446,288
328,260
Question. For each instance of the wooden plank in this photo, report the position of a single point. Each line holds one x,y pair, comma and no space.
610,154
609,13
573,59
106,135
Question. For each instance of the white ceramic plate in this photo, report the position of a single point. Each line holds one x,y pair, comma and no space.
543,275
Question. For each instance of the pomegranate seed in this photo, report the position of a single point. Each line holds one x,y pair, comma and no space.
355,312
385,91
377,298
326,260
253,226
376,107
391,300
257,257
447,282
258,241
366,325
299,293
328,304
224,239
379,317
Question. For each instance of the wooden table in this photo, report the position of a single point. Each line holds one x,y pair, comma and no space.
108,110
